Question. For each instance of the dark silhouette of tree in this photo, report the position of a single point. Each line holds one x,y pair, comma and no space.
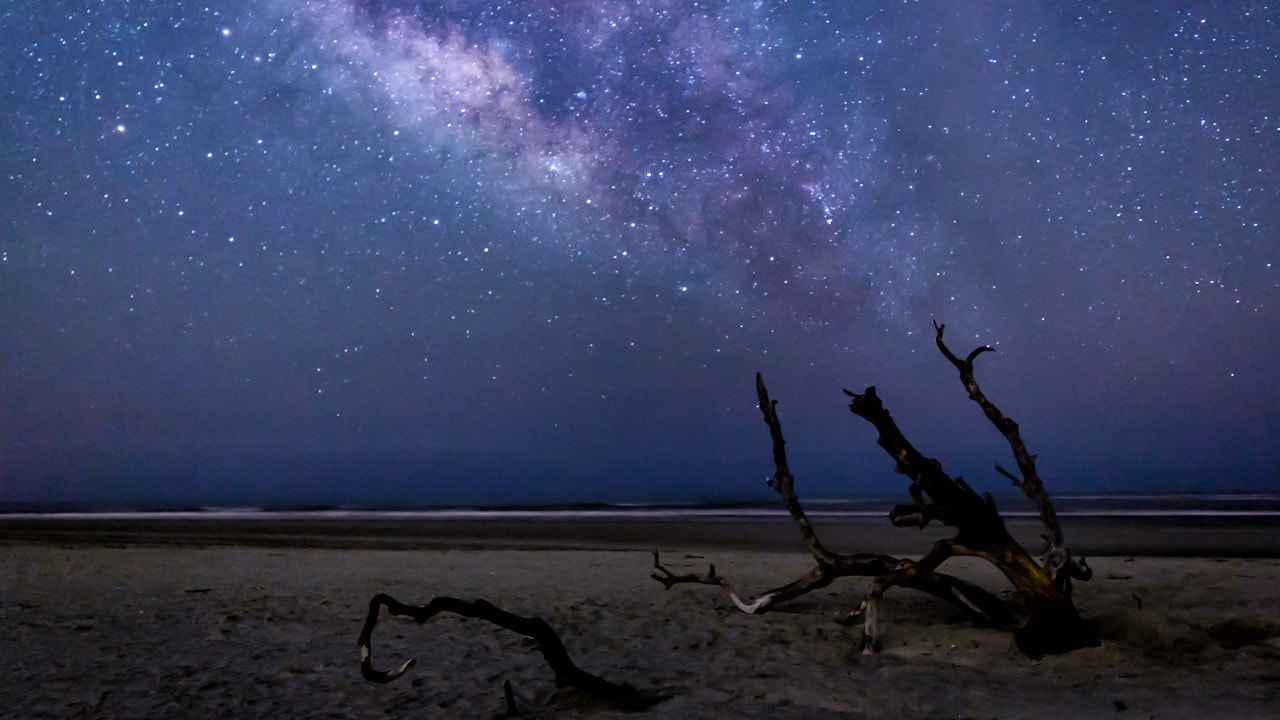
1045,619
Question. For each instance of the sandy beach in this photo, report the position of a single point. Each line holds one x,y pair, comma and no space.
110,629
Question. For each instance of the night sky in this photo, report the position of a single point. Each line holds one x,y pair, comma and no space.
479,252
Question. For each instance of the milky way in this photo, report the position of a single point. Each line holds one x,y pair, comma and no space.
492,252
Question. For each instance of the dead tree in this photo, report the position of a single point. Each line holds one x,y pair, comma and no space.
1052,624
547,642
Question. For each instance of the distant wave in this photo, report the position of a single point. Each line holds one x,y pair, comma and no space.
1224,506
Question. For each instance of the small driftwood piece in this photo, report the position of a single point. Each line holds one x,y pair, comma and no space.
830,565
546,641
509,696
1053,625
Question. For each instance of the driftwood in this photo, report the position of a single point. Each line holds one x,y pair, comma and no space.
1052,624
547,642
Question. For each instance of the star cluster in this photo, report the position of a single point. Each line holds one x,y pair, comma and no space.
412,251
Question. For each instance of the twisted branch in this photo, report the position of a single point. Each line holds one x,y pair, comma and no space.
547,642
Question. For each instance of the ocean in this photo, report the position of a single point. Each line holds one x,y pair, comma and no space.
1240,525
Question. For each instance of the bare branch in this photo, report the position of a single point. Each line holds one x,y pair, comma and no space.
751,607
1056,558
967,362
1017,481
668,578
567,674
783,481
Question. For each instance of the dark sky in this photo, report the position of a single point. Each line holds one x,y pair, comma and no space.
285,251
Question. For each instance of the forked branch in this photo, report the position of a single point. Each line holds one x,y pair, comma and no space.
1057,560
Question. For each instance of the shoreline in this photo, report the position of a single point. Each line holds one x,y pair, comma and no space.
1150,536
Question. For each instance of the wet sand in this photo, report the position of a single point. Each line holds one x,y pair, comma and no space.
1089,536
